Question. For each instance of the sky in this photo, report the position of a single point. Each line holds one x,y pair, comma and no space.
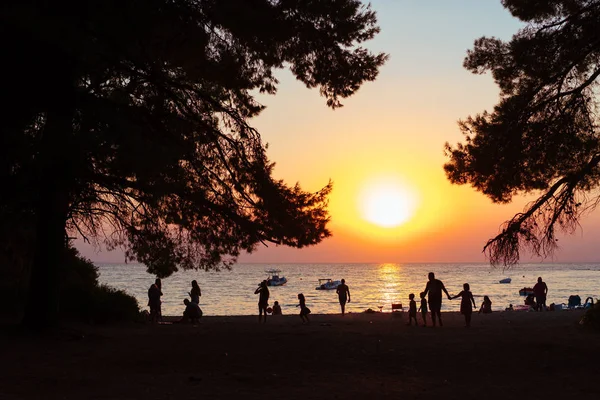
384,150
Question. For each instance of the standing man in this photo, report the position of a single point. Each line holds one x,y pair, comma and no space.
263,300
434,288
343,292
540,290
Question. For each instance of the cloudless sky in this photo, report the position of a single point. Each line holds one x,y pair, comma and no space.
392,133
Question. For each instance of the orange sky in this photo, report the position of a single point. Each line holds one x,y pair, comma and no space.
393,131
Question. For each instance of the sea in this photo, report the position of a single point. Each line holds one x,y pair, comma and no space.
372,286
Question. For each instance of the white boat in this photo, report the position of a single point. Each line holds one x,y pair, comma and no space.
505,280
328,284
274,279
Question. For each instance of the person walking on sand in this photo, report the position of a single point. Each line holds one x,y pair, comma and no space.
343,292
304,311
263,300
540,290
465,305
195,293
434,288
423,308
412,310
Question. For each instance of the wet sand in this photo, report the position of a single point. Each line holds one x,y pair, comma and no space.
516,355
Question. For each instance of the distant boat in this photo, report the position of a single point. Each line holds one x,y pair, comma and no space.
505,280
526,291
328,284
274,279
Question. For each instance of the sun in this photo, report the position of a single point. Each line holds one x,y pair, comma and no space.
387,204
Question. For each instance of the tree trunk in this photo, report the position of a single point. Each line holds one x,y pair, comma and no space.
52,210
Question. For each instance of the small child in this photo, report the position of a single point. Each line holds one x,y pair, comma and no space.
276,308
465,304
304,311
423,308
412,310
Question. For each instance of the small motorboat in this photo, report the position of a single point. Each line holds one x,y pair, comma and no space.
506,280
526,291
328,284
274,279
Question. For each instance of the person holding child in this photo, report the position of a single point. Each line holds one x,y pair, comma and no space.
465,305
412,310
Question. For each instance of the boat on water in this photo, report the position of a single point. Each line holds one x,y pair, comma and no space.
506,280
526,291
274,279
328,284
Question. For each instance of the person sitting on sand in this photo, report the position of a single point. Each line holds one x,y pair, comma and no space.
529,301
154,294
263,300
486,306
343,292
412,310
192,312
465,304
304,311
423,308
276,308
195,293
434,288
510,308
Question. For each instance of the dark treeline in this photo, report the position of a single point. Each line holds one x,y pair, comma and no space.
126,122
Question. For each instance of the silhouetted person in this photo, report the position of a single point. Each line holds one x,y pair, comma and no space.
263,300
486,306
423,308
434,288
276,308
529,301
192,312
343,292
540,290
154,294
412,310
304,311
195,293
465,305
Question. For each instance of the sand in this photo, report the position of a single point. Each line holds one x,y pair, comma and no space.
516,355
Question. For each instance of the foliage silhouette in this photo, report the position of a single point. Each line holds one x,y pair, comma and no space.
542,136
127,122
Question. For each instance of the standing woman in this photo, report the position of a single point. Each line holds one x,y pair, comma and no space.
195,293
465,305
263,300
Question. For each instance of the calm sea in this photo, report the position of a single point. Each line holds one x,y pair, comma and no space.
371,285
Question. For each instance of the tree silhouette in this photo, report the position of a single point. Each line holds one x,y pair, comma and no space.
542,136
127,122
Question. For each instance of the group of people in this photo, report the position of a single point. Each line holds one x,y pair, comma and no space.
431,302
192,312
264,309
343,292
434,289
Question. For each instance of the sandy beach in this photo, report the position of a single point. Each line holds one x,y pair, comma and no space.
506,355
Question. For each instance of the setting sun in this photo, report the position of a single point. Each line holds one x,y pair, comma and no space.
387,204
